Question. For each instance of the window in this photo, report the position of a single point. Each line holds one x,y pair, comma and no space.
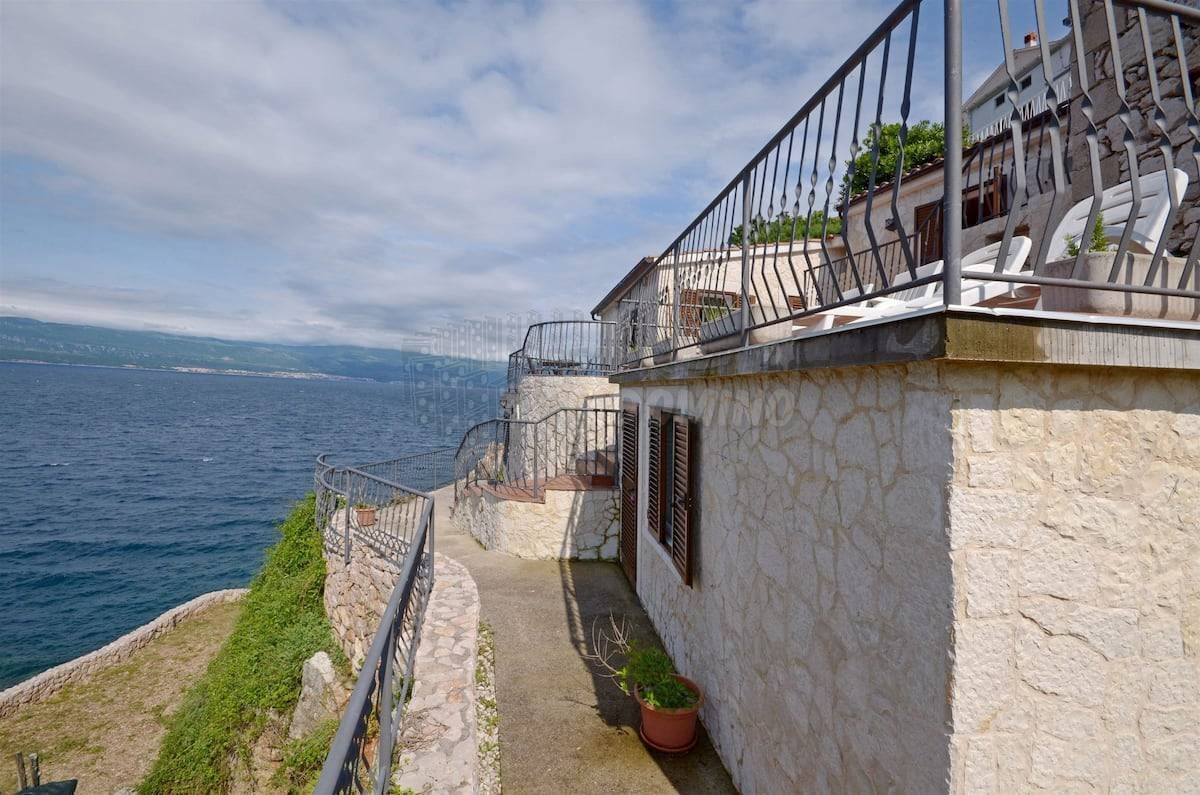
998,101
1027,82
992,202
670,504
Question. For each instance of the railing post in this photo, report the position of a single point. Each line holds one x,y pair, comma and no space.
747,197
535,459
952,167
349,500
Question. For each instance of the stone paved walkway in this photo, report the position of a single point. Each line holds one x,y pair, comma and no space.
563,727
438,734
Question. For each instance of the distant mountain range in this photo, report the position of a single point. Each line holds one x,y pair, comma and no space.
23,339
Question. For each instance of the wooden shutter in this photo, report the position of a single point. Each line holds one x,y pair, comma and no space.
683,523
629,498
654,476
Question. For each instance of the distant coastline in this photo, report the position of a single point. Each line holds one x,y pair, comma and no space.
28,341
299,376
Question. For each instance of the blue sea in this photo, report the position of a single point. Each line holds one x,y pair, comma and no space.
126,492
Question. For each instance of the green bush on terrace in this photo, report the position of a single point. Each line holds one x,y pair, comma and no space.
282,623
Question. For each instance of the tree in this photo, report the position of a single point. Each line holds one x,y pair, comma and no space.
785,228
925,143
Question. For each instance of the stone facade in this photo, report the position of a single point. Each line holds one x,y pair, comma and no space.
941,576
1074,518
558,442
819,621
1114,164
579,524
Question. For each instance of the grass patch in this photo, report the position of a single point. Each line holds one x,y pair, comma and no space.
303,758
257,670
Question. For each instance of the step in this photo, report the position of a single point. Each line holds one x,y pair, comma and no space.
600,463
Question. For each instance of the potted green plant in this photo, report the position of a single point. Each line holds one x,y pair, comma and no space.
669,702
364,514
1098,243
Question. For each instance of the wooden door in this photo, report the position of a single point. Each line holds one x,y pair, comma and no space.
927,229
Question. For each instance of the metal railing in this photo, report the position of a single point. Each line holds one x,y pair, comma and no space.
564,347
524,455
1031,107
824,196
396,522
425,471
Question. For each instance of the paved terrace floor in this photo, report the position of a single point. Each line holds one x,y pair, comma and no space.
563,727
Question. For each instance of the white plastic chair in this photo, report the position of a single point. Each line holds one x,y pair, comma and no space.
974,291
1115,204
977,291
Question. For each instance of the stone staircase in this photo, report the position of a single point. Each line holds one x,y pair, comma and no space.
570,515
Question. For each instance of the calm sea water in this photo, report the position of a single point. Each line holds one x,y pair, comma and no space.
127,492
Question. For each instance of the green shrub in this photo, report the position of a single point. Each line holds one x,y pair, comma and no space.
303,758
282,623
1099,242
651,671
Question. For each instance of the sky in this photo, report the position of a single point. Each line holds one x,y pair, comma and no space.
363,172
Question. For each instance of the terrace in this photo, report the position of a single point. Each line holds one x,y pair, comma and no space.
1007,227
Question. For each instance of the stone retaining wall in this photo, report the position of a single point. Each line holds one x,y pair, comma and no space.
568,525
356,595
49,682
538,395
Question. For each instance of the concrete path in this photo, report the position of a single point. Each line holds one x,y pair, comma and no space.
563,727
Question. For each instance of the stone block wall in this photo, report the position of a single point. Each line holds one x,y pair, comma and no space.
567,525
942,577
356,594
1074,516
1113,160
820,619
538,395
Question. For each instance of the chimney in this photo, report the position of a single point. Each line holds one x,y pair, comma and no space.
1031,39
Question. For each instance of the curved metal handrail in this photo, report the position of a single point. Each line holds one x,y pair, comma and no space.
564,347
526,453
395,521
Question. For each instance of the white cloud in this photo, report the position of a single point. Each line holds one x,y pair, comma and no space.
410,164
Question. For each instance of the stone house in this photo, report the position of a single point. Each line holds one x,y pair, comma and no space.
954,550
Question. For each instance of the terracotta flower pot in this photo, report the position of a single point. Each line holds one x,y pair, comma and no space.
365,516
671,730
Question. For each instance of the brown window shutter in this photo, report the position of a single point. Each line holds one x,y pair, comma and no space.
683,524
629,497
654,476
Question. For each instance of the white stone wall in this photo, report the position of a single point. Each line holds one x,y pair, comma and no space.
1075,526
538,395
942,577
819,621
569,524
561,440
